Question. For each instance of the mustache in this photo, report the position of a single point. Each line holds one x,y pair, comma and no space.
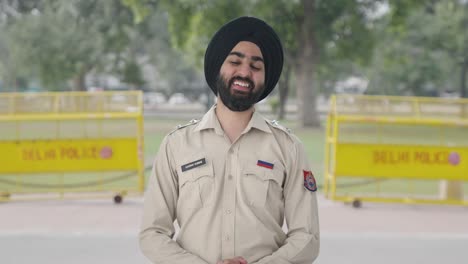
247,80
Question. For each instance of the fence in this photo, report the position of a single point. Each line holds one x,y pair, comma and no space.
71,144
397,149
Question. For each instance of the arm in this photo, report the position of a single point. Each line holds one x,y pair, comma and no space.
159,213
301,214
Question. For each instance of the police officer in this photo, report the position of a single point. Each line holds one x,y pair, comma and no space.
233,178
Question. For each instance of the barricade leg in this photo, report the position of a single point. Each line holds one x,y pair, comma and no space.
451,190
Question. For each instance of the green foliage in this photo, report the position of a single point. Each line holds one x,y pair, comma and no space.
414,47
132,74
343,29
140,9
175,72
421,55
192,23
55,52
274,104
61,40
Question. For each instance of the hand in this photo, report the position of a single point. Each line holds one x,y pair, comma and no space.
236,260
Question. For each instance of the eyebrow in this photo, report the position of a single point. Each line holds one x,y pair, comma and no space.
242,55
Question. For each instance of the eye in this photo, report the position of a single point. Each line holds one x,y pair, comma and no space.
255,68
235,62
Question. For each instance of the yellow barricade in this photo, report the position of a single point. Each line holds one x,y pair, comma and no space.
71,144
397,149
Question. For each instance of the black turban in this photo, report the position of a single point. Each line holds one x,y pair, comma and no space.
245,29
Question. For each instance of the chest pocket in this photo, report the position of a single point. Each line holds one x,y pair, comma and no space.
260,183
196,185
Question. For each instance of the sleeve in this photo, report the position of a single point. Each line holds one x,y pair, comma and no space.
301,213
159,213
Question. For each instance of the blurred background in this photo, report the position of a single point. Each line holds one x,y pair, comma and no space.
359,47
365,47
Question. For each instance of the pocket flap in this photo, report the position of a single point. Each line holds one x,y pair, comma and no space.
254,170
276,175
265,174
205,170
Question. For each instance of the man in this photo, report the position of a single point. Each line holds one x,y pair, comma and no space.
231,179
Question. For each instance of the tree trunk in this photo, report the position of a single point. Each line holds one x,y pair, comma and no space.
464,66
463,92
79,81
307,59
284,91
16,84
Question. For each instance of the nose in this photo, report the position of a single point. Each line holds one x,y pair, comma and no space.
244,70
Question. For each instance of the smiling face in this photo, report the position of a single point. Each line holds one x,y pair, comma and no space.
242,77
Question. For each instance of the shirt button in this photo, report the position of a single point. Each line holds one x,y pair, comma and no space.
230,177
228,238
228,211
231,151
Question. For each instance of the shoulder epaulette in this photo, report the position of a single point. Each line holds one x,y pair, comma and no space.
276,124
192,122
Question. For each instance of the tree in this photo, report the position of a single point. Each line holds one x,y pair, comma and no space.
424,53
10,72
61,40
174,70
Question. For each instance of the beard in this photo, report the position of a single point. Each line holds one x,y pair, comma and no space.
237,101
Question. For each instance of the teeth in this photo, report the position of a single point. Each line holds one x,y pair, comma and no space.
241,84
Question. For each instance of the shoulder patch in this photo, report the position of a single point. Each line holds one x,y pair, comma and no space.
192,122
276,124
309,181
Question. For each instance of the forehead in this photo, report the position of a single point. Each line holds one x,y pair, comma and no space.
248,48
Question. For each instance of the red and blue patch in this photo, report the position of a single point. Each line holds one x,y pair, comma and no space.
309,181
265,164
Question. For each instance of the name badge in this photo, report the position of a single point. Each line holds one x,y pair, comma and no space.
193,164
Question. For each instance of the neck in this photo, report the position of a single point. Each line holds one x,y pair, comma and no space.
233,123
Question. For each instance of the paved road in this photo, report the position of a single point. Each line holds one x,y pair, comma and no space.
97,231
384,248
23,248
70,249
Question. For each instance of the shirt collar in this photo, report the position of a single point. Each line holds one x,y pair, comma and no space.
210,121
257,121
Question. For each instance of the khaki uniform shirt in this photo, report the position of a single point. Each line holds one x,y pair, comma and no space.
230,199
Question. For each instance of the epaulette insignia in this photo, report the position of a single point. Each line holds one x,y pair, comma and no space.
276,124
192,122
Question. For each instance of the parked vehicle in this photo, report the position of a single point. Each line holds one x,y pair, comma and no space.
178,98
